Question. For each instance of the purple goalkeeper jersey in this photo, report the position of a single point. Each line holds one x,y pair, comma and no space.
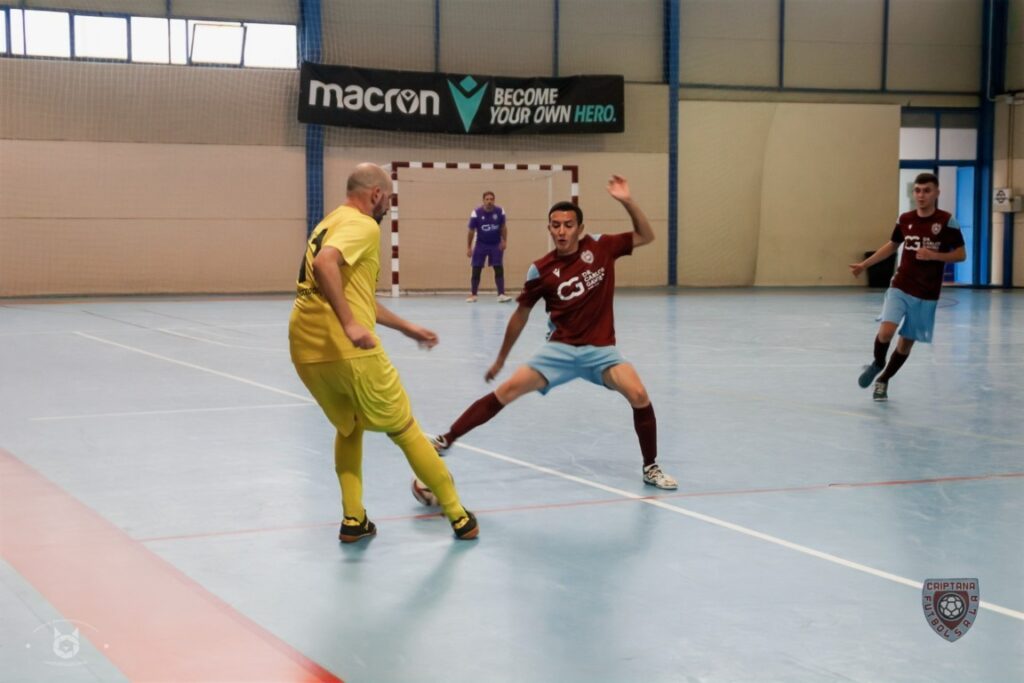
487,224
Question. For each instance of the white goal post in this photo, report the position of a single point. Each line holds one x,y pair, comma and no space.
396,166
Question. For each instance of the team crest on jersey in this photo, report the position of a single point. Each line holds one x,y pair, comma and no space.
950,606
587,256
936,228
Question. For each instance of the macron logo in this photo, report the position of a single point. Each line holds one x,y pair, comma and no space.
467,95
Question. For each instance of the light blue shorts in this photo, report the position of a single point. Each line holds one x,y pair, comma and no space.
560,363
918,315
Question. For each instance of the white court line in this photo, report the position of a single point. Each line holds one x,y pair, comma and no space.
173,333
730,526
137,413
218,373
609,489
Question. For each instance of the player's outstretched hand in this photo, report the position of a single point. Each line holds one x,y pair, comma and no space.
427,339
619,188
359,335
493,371
856,268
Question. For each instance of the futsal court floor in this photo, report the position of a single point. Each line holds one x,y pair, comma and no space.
169,510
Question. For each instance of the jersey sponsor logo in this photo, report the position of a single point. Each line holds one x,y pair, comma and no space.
587,256
915,242
950,606
577,285
570,289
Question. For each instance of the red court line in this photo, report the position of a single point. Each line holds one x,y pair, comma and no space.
604,501
156,624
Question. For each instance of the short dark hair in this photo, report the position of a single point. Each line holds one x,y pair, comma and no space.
486,193
925,178
567,206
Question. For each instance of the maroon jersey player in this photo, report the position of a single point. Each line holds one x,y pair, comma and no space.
931,238
577,283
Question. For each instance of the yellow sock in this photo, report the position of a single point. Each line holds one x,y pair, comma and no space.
430,469
348,464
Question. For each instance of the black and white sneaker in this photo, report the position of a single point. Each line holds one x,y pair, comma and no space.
653,476
881,391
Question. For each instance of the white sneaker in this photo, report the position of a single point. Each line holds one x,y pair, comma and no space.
653,476
471,299
440,444
504,298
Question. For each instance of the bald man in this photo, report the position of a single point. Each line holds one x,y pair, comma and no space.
339,357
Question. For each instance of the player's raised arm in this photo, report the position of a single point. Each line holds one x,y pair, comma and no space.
643,234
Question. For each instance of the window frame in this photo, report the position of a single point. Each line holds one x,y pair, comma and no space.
9,52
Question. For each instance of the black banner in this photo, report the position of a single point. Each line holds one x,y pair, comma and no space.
459,103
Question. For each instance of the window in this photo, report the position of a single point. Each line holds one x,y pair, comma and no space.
101,37
179,42
215,42
17,20
150,40
271,45
47,34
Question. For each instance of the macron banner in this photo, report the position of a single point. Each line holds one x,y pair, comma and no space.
459,103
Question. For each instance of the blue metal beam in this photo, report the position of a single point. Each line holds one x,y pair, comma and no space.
554,48
885,44
782,43
671,75
310,26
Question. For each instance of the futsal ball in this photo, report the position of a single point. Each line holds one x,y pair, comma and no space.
423,494
951,606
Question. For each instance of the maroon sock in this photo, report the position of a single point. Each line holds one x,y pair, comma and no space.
478,413
647,431
896,362
881,349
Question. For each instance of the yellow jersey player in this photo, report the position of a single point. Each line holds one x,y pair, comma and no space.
339,357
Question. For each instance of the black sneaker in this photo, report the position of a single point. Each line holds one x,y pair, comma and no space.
352,529
466,528
868,373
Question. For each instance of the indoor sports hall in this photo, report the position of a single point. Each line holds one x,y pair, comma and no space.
169,509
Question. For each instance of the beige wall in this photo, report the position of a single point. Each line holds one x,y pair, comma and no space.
1008,146
933,45
1015,46
126,218
783,194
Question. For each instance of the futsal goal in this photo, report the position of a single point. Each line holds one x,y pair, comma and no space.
430,208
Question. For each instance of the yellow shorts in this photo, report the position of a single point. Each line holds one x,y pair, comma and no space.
366,388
